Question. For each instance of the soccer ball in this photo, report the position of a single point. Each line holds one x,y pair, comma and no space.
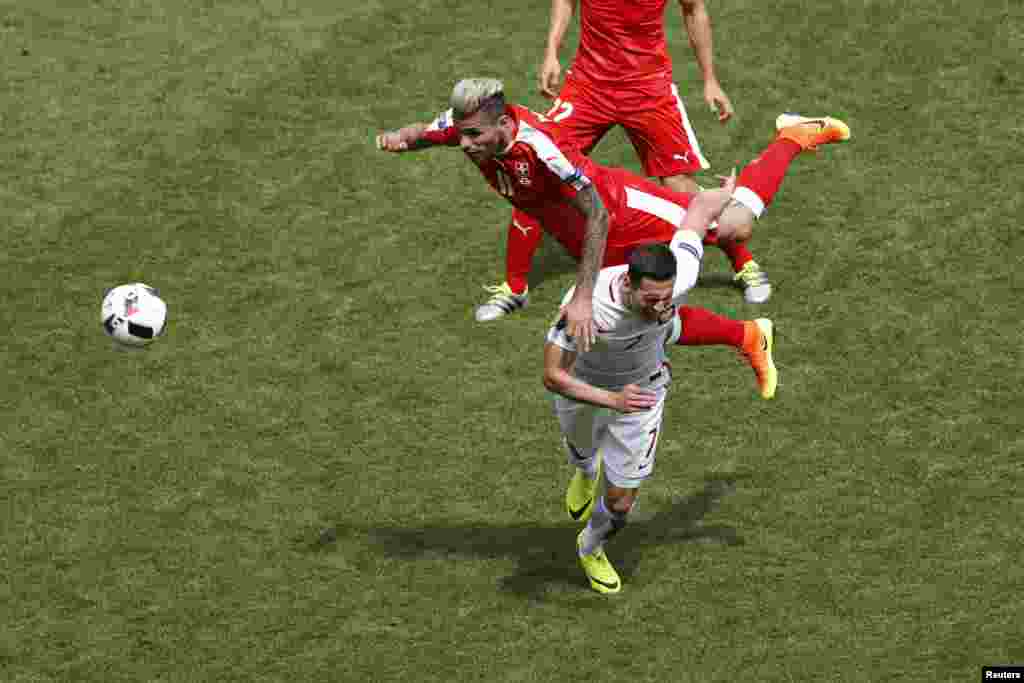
133,314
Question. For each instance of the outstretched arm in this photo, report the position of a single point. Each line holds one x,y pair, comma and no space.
551,68
580,310
698,28
707,205
406,139
420,135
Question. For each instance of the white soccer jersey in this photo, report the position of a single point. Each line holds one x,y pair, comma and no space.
630,349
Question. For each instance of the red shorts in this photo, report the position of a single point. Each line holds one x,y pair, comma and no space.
639,211
653,116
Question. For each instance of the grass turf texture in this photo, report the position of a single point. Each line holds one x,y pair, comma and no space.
162,511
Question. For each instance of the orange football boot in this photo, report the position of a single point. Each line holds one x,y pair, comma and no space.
758,339
810,132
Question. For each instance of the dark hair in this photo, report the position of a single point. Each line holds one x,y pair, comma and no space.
654,261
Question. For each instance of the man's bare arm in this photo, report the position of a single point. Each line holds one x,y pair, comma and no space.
580,311
707,206
698,29
551,68
406,139
558,378
588,202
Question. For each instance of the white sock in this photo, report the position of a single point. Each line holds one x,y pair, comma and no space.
585,464
603,523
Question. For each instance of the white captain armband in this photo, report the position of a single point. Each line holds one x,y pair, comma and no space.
442,122
687,242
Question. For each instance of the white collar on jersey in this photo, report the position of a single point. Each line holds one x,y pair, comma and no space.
615,289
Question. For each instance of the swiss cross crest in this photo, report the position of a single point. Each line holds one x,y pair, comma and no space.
523,172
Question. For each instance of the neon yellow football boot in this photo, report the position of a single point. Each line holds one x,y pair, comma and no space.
754,281
579,497
602,575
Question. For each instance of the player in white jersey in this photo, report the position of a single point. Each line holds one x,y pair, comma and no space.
611,398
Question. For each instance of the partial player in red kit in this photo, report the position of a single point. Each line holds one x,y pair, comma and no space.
573,198
622,75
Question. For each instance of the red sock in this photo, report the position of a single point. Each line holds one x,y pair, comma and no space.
764,174
701,327
524,236
737,252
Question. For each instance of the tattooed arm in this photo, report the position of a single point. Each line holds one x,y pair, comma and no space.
579,311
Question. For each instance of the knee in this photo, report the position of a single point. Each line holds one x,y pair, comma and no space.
621,505
735,228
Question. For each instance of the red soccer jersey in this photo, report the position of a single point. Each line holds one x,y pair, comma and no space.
534,174
537,177
622,41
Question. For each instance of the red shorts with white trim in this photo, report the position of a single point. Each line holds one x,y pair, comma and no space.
640,211
653,116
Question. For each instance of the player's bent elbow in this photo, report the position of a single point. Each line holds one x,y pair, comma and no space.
552,382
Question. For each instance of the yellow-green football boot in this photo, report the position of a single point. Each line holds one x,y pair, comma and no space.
602,575
580,496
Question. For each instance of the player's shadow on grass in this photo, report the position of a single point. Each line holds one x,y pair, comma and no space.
717,279
546,554
551,260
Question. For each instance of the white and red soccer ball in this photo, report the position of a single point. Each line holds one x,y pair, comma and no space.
133,314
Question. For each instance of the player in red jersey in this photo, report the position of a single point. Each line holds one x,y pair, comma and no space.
622,75
516,155
573,198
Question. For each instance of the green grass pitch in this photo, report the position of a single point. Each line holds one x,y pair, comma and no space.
162,513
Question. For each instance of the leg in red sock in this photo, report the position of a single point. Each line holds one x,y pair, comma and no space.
753,338
737,252
524,236
701,327
763,176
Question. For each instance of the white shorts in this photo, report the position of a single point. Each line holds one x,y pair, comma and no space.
626,442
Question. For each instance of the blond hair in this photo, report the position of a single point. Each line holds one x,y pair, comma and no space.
471,95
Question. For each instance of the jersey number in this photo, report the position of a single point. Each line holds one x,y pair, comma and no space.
560,111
